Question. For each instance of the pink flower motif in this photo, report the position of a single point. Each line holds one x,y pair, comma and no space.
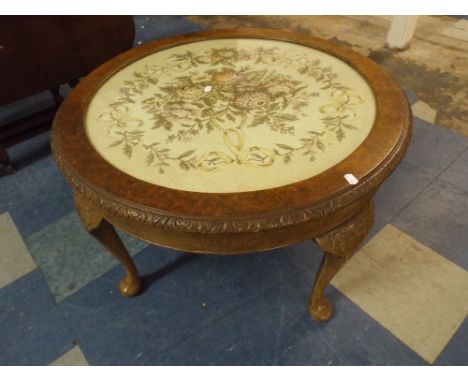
228,77
181,113
191,93
276,90
246,86
253,100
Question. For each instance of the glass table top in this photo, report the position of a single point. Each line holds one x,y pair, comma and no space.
230,115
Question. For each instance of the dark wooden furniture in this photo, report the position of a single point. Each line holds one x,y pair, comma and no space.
327,208
40,53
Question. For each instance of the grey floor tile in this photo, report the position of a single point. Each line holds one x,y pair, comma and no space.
32,330
15,260
438,218
457,172
434,148
409,289
69,257
73,357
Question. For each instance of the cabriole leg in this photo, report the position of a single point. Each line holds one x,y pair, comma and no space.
339,245
105,233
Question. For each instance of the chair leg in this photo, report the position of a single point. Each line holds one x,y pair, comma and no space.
56,94
5,160
73,83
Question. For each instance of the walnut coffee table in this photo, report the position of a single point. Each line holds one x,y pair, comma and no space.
230,142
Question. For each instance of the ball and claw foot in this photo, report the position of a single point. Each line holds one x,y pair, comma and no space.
129,287
321,310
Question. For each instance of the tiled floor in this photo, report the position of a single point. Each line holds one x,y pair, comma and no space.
404,304
15,260
413,306
64,272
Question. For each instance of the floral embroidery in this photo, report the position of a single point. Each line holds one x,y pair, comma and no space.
227,100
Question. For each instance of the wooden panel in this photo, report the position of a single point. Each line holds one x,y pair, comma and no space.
41,52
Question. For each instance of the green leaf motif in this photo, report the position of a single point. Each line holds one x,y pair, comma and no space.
186,154
184,166
339,134
258,121
116,143
128,150
287,117
283,146
149,158
320,145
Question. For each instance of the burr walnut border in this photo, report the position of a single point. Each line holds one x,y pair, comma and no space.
189,224
316,197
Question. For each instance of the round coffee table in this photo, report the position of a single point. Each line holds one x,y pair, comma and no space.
230,142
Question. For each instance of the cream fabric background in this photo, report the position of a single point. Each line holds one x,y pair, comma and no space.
101,126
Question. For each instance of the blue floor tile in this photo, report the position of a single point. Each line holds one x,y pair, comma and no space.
156,27
406,182
194,294
10,194
457,172
44,203
434,148
29,152
275,329
32,329
410,96
456,352
44,196
36,194
438,218
22,155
